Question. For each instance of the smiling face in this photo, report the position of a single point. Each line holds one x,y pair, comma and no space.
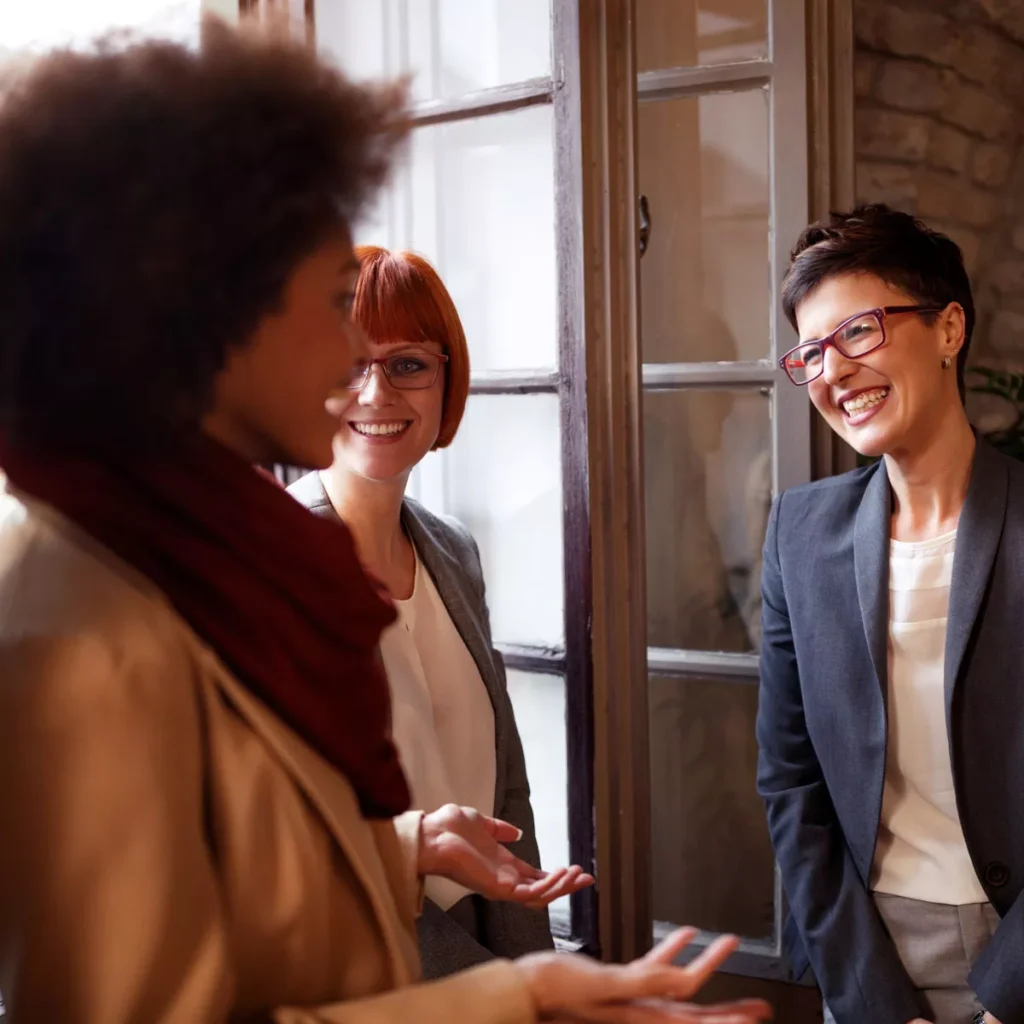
385,431
894,398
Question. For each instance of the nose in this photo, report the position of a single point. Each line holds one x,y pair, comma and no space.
376,391
836,367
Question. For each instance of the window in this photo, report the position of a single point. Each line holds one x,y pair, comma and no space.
722,144
477,197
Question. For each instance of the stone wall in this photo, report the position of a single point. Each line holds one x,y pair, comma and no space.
939,124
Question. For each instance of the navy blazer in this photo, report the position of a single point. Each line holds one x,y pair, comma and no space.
474,930
821,726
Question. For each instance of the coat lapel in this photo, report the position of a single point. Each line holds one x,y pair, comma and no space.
978,534
335,801
871,562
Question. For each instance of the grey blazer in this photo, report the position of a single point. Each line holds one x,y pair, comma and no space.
475,929
822,726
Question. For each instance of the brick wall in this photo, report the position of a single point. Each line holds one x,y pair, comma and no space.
939,124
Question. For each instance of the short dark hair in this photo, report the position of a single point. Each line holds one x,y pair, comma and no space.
154,201
894,246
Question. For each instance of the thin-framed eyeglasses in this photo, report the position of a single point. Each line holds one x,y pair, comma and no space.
854,338
406,371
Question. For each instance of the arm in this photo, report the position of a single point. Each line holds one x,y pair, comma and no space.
854,960
108,893
997,976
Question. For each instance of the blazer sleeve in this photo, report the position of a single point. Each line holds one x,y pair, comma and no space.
997,976
854,960
510,929
108,893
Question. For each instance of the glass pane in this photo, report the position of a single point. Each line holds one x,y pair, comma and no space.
682,33
478,200
45,25
705,278
708,486
713,865
539,705
502,478
451,47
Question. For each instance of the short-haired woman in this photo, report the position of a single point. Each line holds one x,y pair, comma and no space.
891,717
200,803
453,722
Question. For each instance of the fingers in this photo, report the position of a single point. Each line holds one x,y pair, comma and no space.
502,831
711,959
666,951
573,880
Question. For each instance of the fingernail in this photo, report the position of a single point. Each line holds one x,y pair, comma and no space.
519,834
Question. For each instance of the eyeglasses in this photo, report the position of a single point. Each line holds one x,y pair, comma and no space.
853,338
406,371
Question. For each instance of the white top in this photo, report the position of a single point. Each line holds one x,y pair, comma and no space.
442,717
921,852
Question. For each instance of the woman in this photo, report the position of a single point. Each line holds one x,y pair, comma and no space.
891,718
453,721
200,805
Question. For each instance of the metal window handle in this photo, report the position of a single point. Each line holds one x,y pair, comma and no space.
645,224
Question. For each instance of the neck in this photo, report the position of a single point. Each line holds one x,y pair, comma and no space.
372,510
929,484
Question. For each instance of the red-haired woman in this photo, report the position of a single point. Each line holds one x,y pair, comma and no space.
453,722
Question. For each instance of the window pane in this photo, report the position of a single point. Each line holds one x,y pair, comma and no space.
708,491
682,33
451,47
713,865
478,201
705,278
35,26
502,478
539,705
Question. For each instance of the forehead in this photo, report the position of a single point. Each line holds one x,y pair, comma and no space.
838,298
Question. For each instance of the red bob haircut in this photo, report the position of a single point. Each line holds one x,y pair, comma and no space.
399,297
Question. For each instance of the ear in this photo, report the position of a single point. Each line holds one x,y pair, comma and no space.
953,326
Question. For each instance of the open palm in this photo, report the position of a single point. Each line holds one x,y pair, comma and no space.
461,844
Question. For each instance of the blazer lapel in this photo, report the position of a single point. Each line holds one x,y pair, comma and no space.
978,535
450,579
871,563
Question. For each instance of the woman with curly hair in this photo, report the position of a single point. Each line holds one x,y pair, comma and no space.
203,817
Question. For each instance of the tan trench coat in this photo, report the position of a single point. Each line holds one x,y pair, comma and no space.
169,850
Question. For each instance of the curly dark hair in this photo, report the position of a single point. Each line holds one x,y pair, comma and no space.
154,201
896,247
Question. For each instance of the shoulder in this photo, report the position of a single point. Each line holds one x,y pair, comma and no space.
445,532
834,499
72,612
309,492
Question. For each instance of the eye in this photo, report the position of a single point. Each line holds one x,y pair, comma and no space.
404,366
343,301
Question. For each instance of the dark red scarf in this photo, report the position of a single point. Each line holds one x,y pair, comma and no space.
278,593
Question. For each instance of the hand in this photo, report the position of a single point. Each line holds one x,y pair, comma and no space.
989,1019
647,991
461,844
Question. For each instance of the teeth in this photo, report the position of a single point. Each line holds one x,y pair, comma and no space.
865,400
375,429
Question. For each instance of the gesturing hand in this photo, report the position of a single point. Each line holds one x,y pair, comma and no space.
647,991
461,844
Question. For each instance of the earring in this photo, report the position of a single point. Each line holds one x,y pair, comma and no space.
946,362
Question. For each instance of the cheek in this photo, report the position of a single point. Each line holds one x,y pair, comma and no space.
818,392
